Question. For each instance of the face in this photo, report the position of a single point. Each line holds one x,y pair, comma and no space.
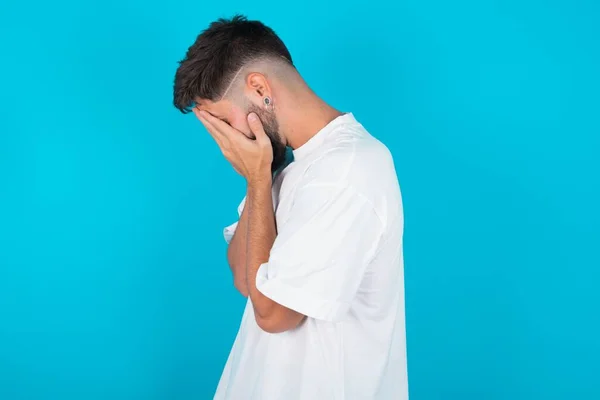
237,117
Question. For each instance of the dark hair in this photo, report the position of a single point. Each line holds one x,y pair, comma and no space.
218,53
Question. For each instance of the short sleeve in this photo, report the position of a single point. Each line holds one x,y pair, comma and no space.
321,252
229,231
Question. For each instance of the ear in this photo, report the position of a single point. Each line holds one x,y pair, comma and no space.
258,87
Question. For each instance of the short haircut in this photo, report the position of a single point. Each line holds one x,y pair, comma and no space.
218,54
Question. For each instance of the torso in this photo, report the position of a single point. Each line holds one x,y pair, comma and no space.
363,356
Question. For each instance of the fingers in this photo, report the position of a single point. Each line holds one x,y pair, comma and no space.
203,117
226,136
257,128
221,129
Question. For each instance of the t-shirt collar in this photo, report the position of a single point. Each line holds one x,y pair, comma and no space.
320,136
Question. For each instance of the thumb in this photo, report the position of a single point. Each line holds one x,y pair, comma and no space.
257,128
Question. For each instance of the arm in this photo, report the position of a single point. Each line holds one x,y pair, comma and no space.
261,232
236,254
294,282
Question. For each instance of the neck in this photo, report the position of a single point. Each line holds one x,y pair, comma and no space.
304,117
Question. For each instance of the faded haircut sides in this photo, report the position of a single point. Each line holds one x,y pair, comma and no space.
218,54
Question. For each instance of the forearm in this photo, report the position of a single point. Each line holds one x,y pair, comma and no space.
270,316
236,254
261,233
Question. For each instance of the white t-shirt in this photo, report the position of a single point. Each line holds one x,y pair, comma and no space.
338,260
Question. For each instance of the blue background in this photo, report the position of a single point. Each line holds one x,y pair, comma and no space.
113,279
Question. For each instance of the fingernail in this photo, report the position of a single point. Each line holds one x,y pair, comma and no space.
252,117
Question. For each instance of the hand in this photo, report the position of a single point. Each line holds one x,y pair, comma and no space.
251,158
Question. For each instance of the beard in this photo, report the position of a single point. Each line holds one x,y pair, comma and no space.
271,128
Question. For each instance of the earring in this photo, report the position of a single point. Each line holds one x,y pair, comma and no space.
267,102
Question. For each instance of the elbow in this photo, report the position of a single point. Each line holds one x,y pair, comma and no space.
239,276
270,325
279,322
241,285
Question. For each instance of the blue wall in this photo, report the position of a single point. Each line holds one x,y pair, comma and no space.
113,280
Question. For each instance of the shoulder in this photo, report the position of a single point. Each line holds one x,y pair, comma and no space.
351,157
357,162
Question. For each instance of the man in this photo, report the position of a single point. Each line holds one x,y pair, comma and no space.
318,245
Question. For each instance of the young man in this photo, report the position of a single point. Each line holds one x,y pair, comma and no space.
318,245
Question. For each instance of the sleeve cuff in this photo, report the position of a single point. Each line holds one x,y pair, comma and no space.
299,300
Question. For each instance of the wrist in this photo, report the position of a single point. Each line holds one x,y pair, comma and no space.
260,179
